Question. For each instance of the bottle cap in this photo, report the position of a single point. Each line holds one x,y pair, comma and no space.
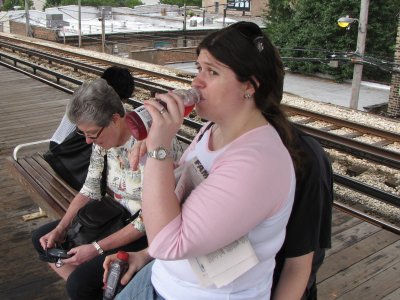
122,255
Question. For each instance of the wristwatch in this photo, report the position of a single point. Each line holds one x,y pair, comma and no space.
160,153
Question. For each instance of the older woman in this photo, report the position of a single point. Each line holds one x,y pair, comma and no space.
98,112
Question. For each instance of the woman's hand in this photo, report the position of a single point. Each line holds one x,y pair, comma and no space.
49,240
166,121
139,149
137,260
81,254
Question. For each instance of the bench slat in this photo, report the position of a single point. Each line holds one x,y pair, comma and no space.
45,187
50,172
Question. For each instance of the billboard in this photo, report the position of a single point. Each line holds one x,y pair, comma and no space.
242,5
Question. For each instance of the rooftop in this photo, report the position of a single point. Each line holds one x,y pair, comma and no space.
157,17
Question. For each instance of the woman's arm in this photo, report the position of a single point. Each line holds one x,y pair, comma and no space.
294,277
120,238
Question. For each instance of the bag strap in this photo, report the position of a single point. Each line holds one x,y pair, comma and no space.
205,130
109,199
103,183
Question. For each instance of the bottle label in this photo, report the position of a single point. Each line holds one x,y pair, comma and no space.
112,281
144,116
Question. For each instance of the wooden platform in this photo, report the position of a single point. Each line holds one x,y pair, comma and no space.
364,262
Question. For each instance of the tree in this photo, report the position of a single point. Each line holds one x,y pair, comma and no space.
10,4
311,28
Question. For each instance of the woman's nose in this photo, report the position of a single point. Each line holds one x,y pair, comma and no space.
198,82
88,140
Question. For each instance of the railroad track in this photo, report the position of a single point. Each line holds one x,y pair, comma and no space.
65,70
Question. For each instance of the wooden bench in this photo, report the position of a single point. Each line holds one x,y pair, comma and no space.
47,189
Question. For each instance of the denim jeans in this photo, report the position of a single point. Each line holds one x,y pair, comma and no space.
140,287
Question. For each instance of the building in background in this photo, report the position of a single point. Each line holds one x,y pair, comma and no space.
140,32
255,8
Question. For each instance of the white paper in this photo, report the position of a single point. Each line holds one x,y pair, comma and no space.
223,266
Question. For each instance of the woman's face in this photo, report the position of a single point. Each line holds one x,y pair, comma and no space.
221,92
106,137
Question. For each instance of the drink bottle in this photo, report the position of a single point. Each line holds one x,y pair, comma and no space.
116,271
139,120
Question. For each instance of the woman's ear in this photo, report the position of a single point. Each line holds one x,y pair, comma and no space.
250,86
116,118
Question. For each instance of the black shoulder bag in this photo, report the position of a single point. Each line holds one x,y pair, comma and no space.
98,219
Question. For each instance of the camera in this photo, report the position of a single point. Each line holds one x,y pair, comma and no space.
58,253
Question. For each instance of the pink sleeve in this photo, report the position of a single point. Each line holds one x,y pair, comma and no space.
245,186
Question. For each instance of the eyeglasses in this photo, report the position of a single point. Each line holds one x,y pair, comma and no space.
93,138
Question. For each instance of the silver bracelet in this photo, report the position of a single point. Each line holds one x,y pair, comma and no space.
98,248
138,224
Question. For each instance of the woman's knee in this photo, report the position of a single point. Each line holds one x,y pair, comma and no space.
80,289
85,282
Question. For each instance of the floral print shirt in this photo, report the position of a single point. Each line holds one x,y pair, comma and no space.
125,183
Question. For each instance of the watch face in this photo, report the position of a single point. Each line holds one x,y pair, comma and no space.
161,153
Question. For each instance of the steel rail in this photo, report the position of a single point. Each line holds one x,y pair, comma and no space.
140,82
391,136
366,217
107,62
367,189
359,149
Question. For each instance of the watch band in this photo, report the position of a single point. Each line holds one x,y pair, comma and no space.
98,248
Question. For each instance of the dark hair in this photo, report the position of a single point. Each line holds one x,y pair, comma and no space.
94,102
121,80
251,55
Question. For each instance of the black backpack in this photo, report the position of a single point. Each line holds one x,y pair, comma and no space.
71,159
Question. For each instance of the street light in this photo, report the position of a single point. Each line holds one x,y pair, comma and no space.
345,22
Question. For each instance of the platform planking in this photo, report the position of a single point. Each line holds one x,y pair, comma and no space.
363,263
29,111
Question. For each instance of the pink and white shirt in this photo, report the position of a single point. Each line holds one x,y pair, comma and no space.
249,191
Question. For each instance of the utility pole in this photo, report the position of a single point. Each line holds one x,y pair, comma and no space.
224,17
103,31
28,26
184,16
358,66
184,25
79,25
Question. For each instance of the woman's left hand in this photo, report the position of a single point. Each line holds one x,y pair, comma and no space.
139,149
137,260
166,121
81,254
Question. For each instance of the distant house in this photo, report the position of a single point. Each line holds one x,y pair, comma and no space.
253,8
